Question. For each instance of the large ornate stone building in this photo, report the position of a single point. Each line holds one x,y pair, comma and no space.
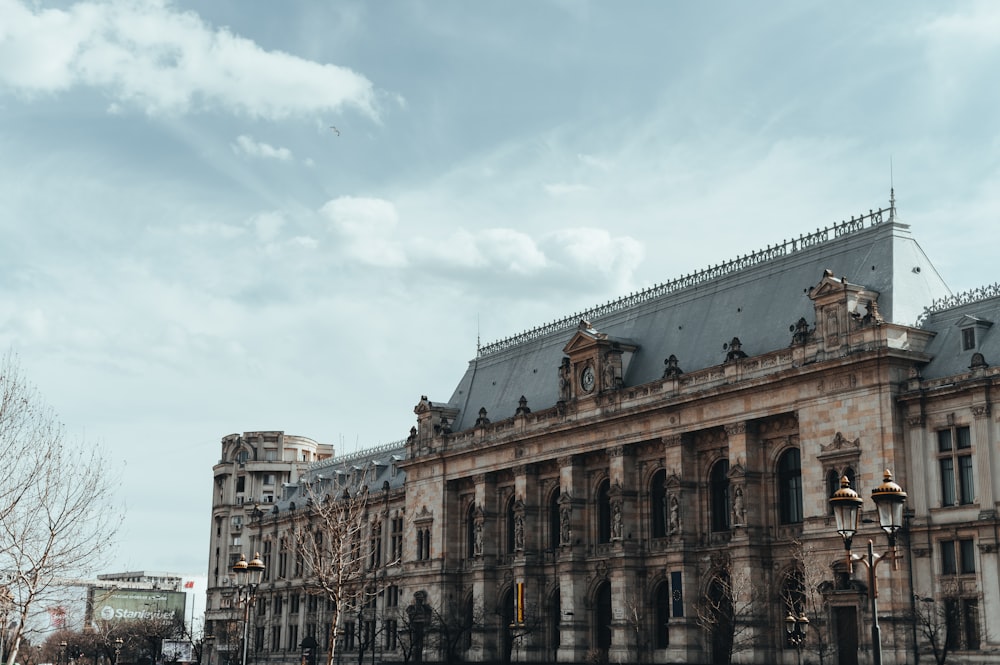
649,481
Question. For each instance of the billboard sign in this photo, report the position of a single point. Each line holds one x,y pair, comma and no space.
116,604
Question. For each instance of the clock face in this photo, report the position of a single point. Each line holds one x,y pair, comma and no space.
587,378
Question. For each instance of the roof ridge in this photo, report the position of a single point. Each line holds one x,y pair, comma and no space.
819,237
974,295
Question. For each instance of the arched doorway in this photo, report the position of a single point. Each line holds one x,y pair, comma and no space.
602,617
506,625
720,619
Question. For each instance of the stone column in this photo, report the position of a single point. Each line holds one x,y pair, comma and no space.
573,631
483,570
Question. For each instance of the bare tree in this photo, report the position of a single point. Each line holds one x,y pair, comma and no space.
637,622
56,507
726,610
937,622
804,596
448,630
328,538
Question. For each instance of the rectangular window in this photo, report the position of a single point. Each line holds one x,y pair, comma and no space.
955,466
275,638
967,556
258,638
390,634
278,605
958,557
948,563
968,339
349,635
293,637
392,596
293,606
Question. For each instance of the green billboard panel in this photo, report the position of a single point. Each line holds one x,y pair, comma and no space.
114,604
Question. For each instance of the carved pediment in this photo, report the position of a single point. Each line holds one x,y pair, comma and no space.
595,363
840,447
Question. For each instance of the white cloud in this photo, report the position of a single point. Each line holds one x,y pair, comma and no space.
248,146
225,231
564,189
149,55
367,225
268,225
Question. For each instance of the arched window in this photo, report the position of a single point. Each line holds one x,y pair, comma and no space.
552,637
604,512
510,525
658,504
602,617
719,495
790,487
554,519
470,531
661,615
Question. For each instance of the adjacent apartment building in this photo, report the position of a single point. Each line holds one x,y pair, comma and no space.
649,480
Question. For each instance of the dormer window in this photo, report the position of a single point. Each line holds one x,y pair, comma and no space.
973,329
968,339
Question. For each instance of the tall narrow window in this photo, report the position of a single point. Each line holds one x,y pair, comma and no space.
719,495
955,466
790,487
510,526
658,504
604,512
470,531
554,519
661,632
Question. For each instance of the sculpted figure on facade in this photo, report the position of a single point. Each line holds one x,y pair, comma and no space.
564,380
675,519
617,521
565,513
477,533
739,510
609,373
519,526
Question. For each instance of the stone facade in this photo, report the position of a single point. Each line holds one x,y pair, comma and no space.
629,507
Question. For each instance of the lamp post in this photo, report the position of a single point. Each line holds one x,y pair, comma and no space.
118,648
63,652
248,577
795,630
889,498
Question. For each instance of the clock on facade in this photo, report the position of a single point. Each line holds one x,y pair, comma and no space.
587,378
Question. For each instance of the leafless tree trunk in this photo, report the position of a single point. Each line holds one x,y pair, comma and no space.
809,600
56,501
635,618
329,537
725,612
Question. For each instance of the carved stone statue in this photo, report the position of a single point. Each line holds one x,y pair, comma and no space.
739,512
675,520
617,522
564,380
478,538
518,532
565,512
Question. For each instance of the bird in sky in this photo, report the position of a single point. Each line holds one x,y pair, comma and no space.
335,129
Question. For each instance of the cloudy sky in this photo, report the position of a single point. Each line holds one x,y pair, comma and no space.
189,249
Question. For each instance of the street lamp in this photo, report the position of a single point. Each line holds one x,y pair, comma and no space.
63,652
118,648
889,498
248,577
795,630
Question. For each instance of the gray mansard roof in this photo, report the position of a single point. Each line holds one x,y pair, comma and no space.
978,310
756,298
